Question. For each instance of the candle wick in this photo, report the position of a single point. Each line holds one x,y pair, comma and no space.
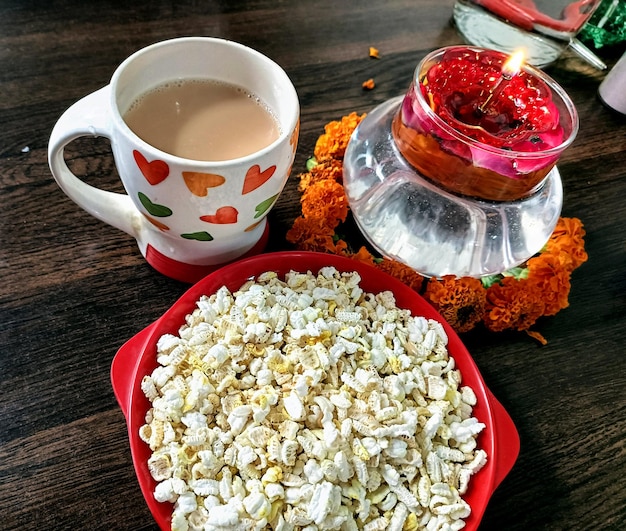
493,91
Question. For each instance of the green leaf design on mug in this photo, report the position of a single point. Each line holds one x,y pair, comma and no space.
160,211
202,236
264,206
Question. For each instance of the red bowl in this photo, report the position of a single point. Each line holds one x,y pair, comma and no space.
137,358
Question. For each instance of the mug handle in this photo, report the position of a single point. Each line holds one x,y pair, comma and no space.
90,116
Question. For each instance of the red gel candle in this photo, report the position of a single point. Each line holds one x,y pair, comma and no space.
465,127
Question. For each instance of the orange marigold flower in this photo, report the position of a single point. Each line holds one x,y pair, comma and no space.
340,247
303,229
374,53
369,84
333,143
513,304
323,244
363,255
331,169
402,272
460,301
326,201
567,242
309,235
552,278
571,227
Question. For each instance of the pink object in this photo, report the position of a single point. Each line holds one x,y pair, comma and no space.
612,90
137,358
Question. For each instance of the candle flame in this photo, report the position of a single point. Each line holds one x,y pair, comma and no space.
513,64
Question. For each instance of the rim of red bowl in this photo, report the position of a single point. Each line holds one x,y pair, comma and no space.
136,358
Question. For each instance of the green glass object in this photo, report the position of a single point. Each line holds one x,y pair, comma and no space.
607,26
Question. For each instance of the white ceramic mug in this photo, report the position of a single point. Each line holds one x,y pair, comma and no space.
186,220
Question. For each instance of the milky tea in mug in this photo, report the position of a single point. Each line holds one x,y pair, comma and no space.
203,154
202,119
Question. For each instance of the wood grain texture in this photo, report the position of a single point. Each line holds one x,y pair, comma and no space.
73,290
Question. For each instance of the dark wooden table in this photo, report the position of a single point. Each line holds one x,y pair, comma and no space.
73,290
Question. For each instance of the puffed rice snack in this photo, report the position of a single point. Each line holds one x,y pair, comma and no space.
309,404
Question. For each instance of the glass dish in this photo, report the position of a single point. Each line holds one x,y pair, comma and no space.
425,193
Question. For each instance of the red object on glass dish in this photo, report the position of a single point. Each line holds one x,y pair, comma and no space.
137,358
526,15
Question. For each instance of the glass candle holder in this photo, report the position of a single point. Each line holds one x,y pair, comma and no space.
459,175
471,130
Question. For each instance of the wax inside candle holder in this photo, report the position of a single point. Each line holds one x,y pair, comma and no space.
500,152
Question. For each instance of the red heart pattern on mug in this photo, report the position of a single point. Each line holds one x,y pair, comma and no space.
155,171
255,178
223,216
199,182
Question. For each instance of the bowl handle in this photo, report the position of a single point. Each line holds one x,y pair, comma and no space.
507,441
124,367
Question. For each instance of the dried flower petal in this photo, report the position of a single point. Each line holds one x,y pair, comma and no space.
369,84
537,336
